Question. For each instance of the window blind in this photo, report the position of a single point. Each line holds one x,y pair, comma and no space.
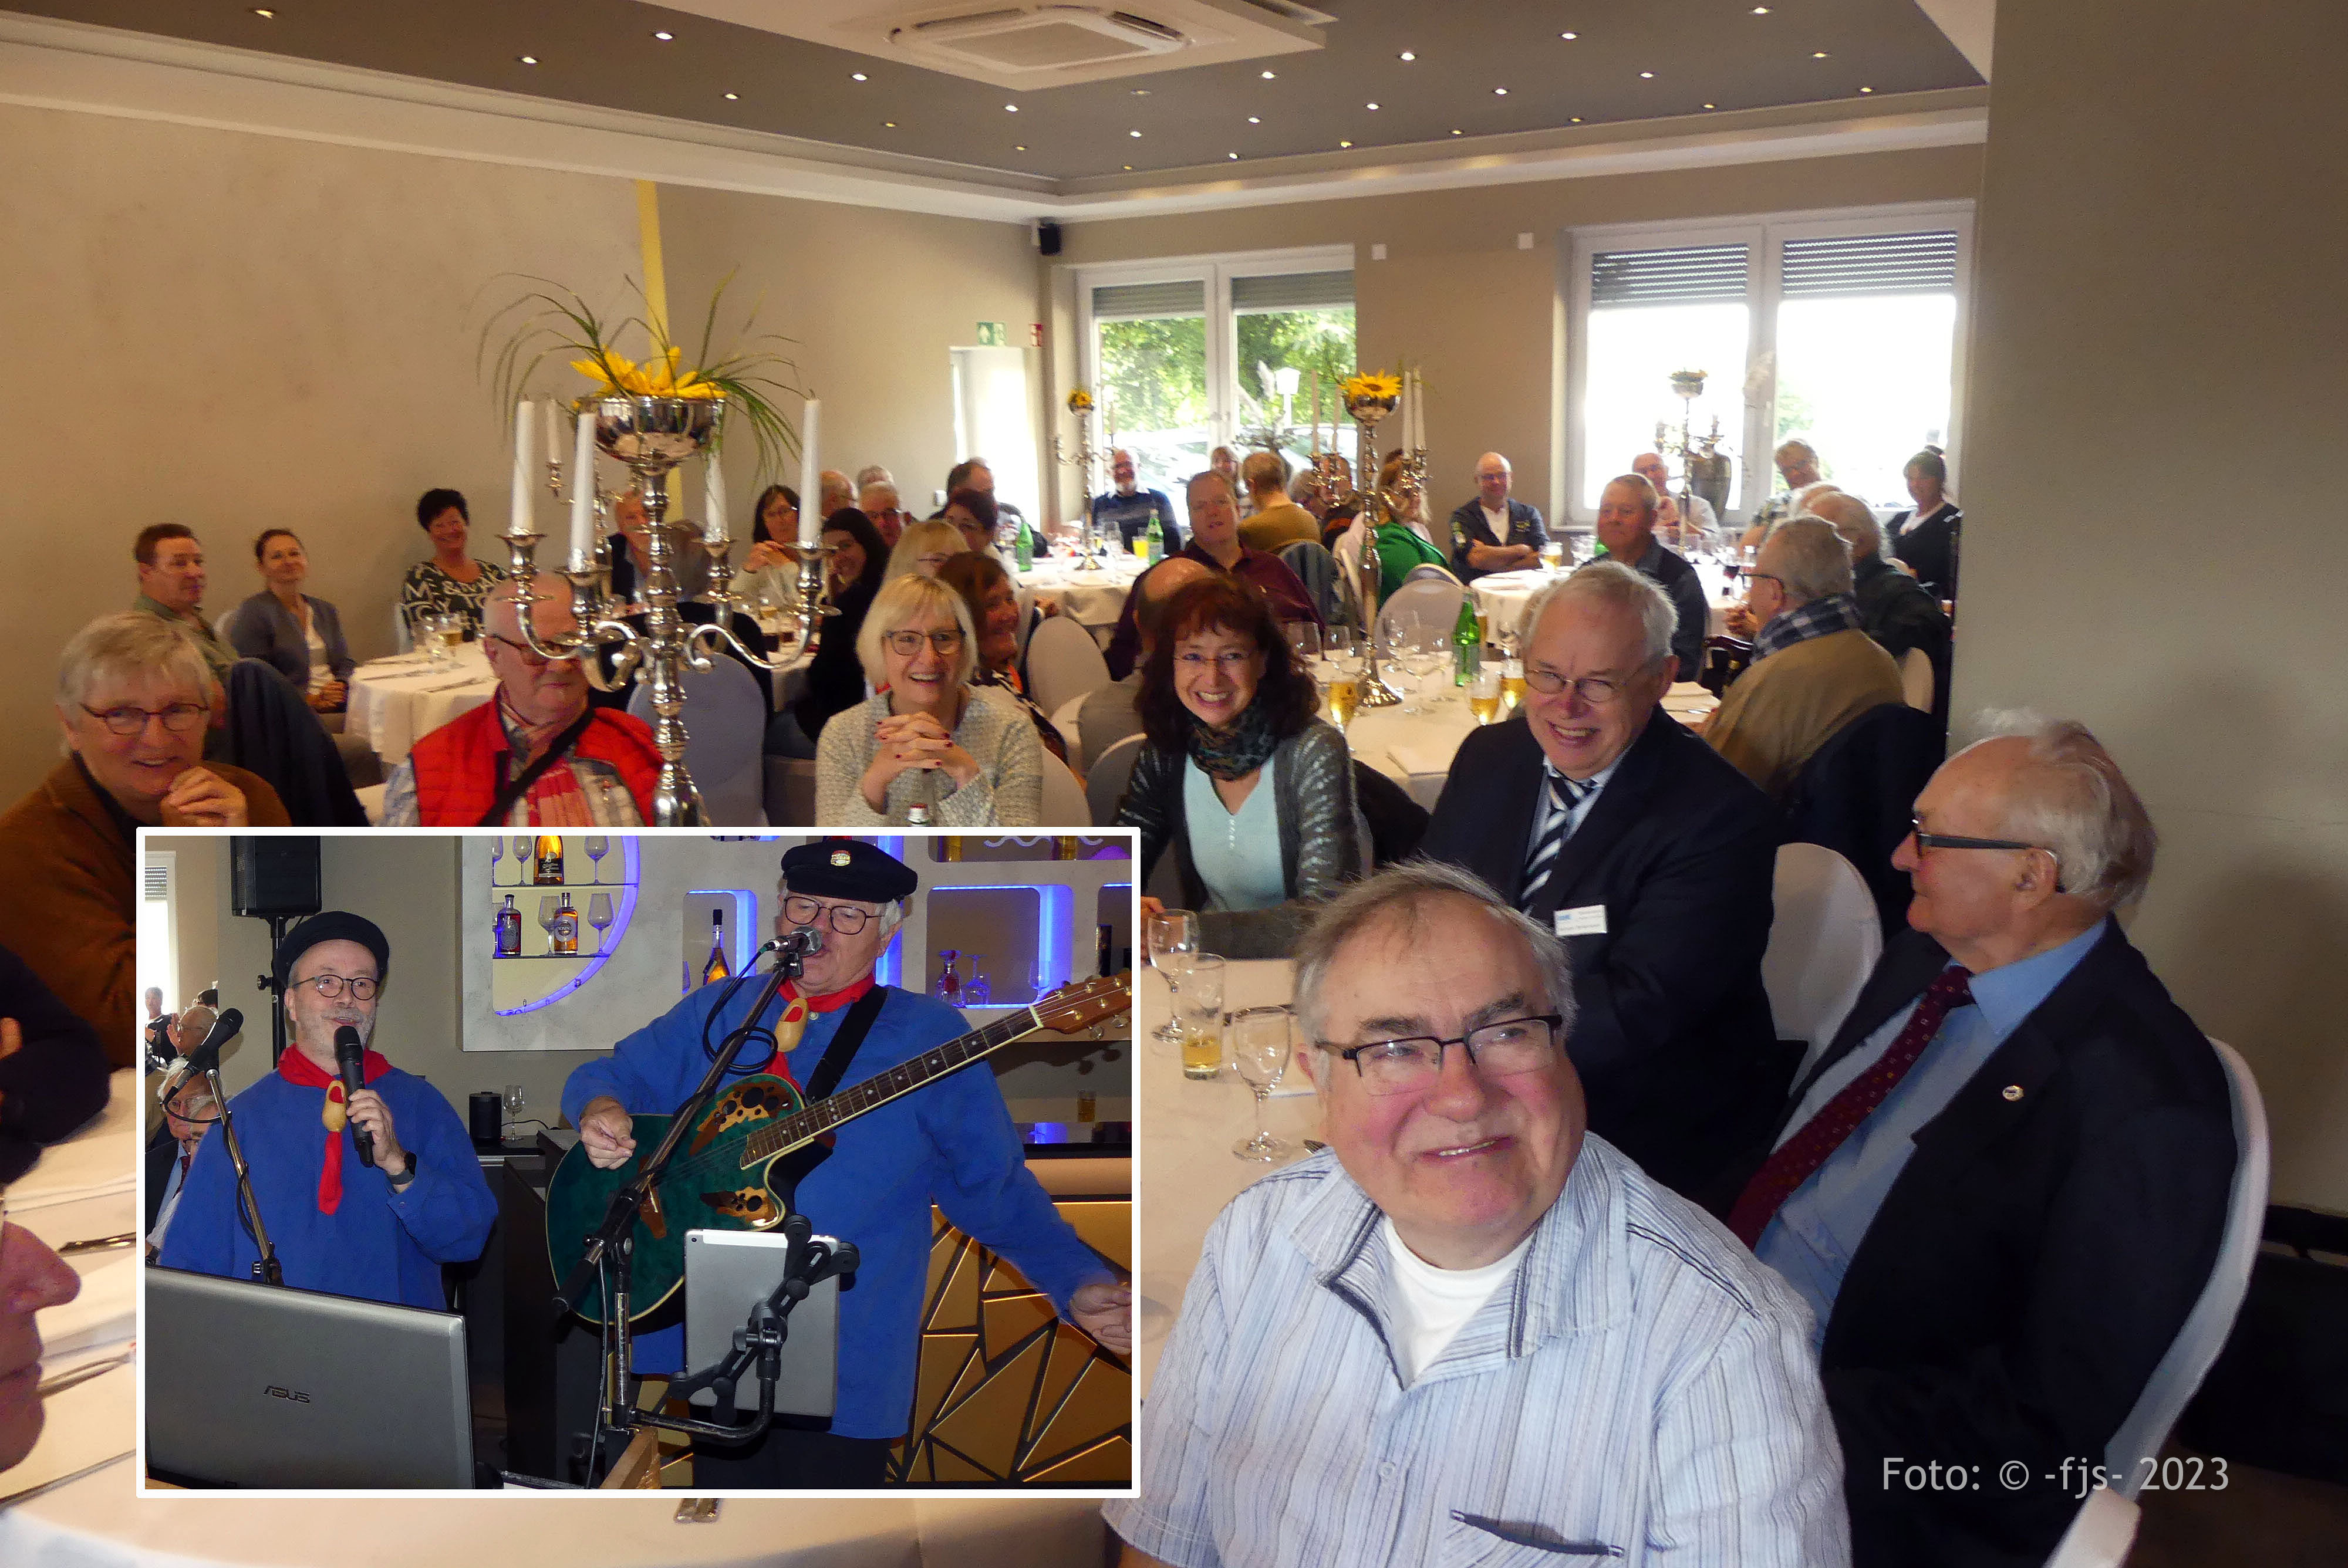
1869,264
1694,274
1292,292
1144,301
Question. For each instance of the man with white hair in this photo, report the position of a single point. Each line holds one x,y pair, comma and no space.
1626,527
1607,822
2002,1187
1494,531
1894,609
1123,514
1814,667
1468,1331
536,755
878,501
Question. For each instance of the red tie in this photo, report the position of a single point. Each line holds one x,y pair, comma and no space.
1800,1155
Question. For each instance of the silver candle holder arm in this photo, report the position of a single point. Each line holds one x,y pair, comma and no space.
1373,506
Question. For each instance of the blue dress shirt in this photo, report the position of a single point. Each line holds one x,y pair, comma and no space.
1811,1238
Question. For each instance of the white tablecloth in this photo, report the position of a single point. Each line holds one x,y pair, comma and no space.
1182,1148
394,701
1094,597
1501,597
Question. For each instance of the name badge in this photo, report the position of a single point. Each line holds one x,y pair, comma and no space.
1589,920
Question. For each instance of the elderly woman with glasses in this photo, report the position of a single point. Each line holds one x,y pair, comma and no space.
1251,792
928,745
135,699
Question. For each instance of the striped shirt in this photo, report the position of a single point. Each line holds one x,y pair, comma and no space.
1642,1389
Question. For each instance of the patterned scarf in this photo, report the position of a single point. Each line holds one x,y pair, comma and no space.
1820,617
555,798
295,1067
1237,748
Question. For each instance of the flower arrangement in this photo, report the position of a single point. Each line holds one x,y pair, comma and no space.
1371,393
1688,383
552,321
1080,402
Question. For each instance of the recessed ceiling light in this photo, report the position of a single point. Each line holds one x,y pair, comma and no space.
1128,169
858,77
1760,10
1819,54
1577,119
1133,133
1707,105
733,97
1344,144
1235,155
530,59
265,16
1270,76
1569,35
1019,149
665,37
1499,92
1646,76
888,125
1409,56
1141,92
1458,133
1010,108
1867,89
1255,119
1373,105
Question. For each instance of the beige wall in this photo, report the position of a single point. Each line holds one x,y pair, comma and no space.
1457,296
2157,358
238,331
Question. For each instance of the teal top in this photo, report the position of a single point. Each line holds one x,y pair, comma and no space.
1236,854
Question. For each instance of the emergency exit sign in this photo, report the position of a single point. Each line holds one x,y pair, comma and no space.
992,334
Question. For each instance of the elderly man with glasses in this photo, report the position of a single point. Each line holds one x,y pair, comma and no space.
1610,825
536,756
948,1143
1469,1331
373,1217
2002,1185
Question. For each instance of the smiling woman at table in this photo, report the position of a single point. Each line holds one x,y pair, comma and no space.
1254,794
966,753
451,583
994,604
299,637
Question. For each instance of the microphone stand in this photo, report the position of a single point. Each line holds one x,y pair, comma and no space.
265,1268
609,1252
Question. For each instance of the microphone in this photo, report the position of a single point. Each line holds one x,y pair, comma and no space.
805,941
205,1057
350,1059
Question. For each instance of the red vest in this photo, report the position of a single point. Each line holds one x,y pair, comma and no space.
458,765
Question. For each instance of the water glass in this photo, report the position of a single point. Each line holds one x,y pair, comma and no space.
1173,939
1200,1013
1305,638
1260,1051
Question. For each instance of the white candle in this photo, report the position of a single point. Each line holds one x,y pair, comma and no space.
810,481
1316,411
713,500
583,494
525,427
553,433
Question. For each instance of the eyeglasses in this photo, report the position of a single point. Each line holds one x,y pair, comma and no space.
1501,1050
523,650
1595,690
1957,841
801,910
1228,659
908,643
362,987
178,718
1752,575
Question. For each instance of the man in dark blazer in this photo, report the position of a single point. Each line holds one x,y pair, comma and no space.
1495,532
1603,819
2004,1184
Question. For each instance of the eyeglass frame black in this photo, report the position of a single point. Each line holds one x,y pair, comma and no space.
952,645
1353,1053
105,717
1925,840
315,983
831,913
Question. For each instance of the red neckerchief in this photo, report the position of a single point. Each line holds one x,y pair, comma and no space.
296,1067
796,1009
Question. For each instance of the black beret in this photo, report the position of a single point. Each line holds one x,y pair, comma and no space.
848,868
334,926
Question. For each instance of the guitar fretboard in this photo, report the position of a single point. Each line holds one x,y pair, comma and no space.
879,1089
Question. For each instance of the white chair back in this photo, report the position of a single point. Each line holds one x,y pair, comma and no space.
1823,943
1068,719
1064,803
1063,661
1428,571
2196,1344
1422,609
1916,679
1106,780
225,627
2101,1533
726,726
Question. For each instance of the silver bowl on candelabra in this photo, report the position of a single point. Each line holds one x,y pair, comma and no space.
653,434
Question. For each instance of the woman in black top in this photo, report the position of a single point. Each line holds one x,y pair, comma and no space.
1925,537
834,677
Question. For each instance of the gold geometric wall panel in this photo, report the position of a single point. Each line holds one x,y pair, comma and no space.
1007,1393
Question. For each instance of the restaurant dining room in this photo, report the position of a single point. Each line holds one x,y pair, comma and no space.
1287,688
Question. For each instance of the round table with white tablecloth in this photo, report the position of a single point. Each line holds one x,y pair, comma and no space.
1501,597
395,700
1093,599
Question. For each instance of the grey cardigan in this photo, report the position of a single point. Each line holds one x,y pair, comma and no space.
1311,780
266,630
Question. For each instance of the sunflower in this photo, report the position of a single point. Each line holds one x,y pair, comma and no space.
1371,385
1080,400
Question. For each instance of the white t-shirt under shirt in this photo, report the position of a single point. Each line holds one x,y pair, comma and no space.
320,670
1435,1304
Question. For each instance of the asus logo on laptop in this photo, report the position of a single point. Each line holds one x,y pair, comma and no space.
292,1396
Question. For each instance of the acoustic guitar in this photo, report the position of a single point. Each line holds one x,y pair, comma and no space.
741,1167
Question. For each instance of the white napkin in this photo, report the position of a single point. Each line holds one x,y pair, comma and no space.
104,1313
1420,755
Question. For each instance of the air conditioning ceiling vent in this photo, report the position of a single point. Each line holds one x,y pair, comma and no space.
1044,37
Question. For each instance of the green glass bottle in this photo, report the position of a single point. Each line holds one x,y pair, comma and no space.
1156,536
1469,639
1026,548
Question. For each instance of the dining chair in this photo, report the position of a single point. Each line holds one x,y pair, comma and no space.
1916,679
1063,661
726,724
1824,941
1105,779
1064,804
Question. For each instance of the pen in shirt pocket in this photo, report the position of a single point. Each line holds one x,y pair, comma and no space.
1522,1535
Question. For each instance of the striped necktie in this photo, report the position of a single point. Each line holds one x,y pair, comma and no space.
1564,795
1799,1157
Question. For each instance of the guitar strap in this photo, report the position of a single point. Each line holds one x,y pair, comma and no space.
852,1030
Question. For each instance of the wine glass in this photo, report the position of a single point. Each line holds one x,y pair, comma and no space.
525,847
599,915
548,908
1173,951
596,849
513,1097
1305,638
1260,1050
497,853
975,991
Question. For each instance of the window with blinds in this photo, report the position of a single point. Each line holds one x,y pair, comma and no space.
1150,301
1694,274
1292,291
1848,267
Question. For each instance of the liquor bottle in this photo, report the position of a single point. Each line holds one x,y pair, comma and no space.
549,861
1064,846
717,969
953,846
1025,549
509,930
1157,538
565,929
949,986
1101,953
1468,639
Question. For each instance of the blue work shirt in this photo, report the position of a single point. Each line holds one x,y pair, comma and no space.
1811,1238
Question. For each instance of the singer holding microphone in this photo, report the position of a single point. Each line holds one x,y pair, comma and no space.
365,1175
950,1141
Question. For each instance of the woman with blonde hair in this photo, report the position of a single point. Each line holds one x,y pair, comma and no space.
923,547
966,755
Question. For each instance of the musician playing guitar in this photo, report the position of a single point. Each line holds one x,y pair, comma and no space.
950,1141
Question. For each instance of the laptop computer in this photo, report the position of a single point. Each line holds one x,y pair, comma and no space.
250,1385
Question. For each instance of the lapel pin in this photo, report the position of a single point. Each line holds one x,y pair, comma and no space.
2014,1091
